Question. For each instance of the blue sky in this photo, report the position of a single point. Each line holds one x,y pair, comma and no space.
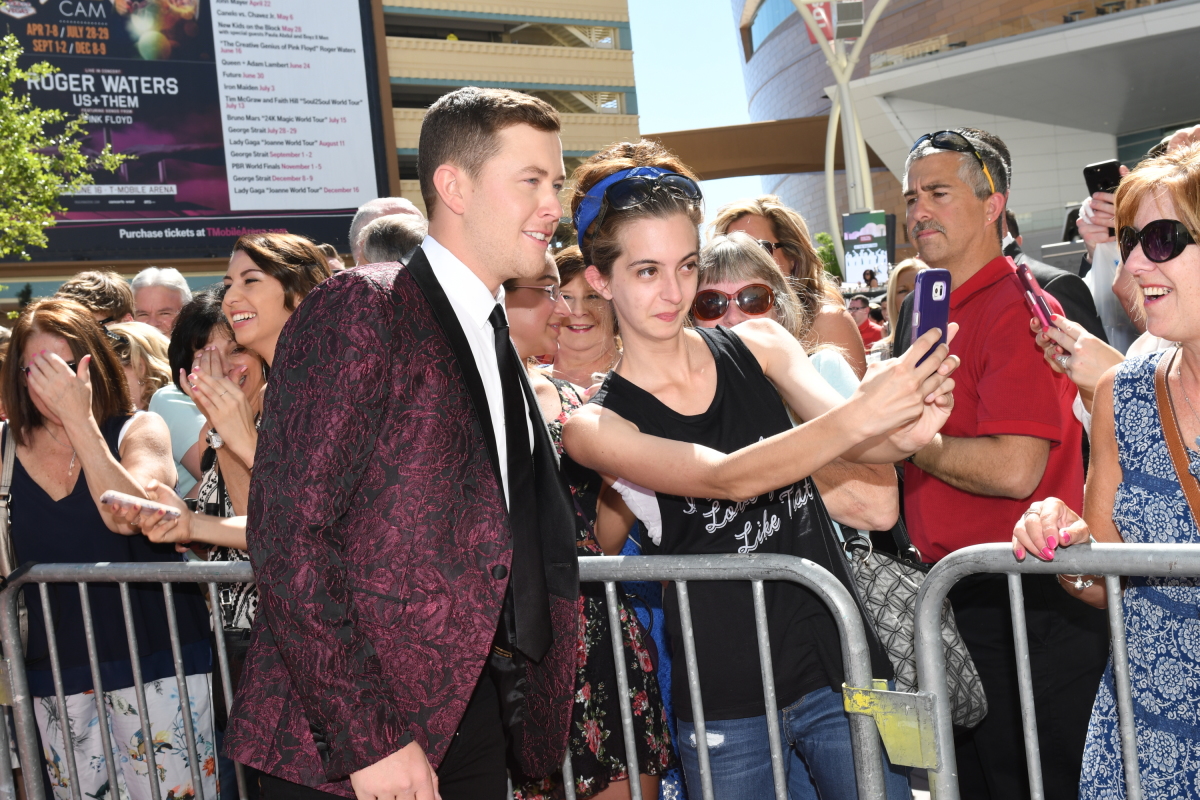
687,64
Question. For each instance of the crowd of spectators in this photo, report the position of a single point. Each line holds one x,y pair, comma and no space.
757,396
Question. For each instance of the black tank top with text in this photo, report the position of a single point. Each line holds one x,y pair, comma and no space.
791,520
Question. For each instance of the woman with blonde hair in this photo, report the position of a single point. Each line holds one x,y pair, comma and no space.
142,349
782,232
1143,463
899,286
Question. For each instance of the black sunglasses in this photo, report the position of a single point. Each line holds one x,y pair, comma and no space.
630,193
955,142
753,300
1161,240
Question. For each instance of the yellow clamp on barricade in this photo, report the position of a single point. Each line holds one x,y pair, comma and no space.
905,722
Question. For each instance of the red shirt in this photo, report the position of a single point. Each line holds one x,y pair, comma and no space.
1003,386
871,332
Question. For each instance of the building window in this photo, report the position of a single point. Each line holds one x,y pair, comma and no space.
770,16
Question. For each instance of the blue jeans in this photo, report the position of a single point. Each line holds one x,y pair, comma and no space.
817,759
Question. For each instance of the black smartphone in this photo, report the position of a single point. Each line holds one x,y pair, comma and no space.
931,305
1103,176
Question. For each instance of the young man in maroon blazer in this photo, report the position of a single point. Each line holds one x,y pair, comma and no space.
411,537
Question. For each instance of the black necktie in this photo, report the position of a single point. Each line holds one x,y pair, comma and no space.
531,602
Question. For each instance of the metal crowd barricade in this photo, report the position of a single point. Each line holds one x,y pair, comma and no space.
863,695
856,656
1111,560
14,680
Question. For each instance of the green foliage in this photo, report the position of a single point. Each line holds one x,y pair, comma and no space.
828,256
41,156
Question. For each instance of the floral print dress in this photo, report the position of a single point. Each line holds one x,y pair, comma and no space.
597,741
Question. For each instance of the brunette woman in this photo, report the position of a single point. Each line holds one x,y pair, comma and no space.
268,276
537,313
71,420
587,344
693,425
783,233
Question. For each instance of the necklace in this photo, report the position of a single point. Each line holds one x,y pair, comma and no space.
71,466
1188,400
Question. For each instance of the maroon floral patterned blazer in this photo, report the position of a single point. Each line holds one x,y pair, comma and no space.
380,541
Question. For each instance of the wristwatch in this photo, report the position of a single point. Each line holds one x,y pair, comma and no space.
214,439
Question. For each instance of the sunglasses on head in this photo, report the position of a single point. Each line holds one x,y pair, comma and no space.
635,191
957,143
1161,240
753,300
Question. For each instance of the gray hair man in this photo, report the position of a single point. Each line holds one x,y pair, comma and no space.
392,238
369,212
158,296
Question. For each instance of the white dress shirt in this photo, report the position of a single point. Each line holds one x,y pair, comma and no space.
473,304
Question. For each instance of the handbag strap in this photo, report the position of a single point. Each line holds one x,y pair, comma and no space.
10,458
1175,446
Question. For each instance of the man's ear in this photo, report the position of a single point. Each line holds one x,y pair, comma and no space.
994,207
451,185
597,281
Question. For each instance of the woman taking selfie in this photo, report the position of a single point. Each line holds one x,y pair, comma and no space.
694,427
1142,488
537,314
76,436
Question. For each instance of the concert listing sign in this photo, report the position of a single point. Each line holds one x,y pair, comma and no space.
242,116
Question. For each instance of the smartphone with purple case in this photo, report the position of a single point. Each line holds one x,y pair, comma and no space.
931,305
1034,300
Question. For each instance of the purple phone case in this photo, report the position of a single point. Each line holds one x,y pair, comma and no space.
931,304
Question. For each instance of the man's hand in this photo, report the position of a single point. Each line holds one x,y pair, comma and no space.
404,775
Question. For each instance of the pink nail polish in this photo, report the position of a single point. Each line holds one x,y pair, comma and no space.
1020,553
1052,541
1047,553
1066,538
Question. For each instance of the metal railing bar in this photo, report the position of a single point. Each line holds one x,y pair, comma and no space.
140,688
8,787
768,678
185,704
135,572
1125,721
618,645
60,694
1033,755
227,687
22,704
693,675
89,631
568,775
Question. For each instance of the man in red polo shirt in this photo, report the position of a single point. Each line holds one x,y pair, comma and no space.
860,309
1012,438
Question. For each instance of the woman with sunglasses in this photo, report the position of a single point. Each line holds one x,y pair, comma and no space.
692,427
1136,491
76,436
536,314
782,232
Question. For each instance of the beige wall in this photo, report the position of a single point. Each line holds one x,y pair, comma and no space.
599,10
579,132
438,59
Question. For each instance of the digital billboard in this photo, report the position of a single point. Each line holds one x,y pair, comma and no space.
865,243
241,116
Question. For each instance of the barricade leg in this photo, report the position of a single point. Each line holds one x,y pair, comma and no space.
59,693
1120,650
693,674
98,689
185,705
140,690
1033,754
618,645
227,682
8,787
768,679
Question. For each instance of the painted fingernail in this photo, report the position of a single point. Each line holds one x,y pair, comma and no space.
1066,538
1047,554
1052,541
1020,553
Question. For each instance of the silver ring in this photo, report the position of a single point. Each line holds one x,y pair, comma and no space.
1062,359
222,394
1031,511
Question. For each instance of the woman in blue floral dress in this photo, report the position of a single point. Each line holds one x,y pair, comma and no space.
1134,493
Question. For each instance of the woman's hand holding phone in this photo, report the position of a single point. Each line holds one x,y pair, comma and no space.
165,519
1082,357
